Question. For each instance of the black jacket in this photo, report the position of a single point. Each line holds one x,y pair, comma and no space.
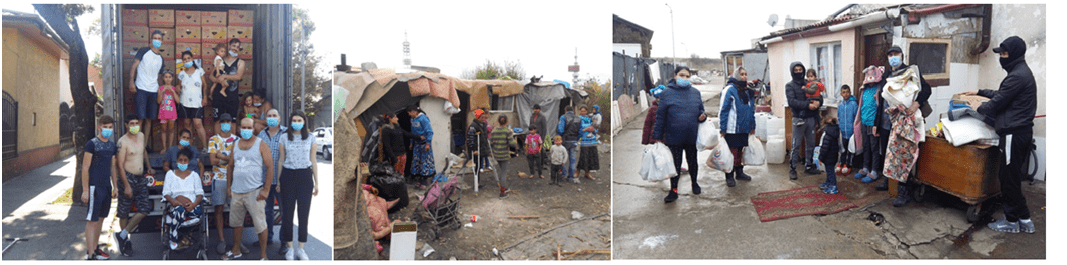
794,95
478,138
830,145
393,141
1015,103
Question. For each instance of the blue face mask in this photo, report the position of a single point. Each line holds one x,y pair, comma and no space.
156,44
106,132
272,122
297,126
257,104
246,133
232,53
682,82
895,61
182,167
184,143
225,127
189,64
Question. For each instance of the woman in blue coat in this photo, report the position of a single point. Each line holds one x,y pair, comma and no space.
737,120
677,119
422,166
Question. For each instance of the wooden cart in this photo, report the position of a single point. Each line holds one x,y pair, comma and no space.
969,172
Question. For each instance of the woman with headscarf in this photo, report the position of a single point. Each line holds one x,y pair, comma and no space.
680,110
737,120
422,166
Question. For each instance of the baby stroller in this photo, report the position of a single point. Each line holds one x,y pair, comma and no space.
439,203
192,238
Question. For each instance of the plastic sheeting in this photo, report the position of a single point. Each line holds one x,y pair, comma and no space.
548,95
630,75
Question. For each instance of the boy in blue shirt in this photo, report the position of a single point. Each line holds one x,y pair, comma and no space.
99,175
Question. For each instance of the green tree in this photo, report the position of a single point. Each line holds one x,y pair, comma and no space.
64,21
316,81
509,70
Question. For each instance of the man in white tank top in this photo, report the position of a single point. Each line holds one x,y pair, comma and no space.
246,182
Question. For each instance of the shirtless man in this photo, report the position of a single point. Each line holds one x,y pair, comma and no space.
132,165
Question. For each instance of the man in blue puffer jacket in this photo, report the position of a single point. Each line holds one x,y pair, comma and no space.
679,107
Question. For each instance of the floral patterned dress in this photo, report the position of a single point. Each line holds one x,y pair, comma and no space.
903,149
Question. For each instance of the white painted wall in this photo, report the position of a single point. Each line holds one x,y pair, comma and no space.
781,54
442,132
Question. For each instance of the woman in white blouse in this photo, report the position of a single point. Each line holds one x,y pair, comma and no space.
298,181
183,189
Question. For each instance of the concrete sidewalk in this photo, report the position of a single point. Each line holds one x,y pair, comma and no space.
53,231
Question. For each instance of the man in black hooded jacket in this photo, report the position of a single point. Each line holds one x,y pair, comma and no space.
804,113
1014,106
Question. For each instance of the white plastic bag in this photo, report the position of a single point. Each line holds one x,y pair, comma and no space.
852,144
657,163
754,153
721,158
707,136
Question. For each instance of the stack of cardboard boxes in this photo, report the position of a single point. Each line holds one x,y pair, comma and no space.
195,31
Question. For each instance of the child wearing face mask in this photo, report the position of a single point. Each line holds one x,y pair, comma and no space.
168,109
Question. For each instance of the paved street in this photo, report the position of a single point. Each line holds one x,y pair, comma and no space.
56,231
722,223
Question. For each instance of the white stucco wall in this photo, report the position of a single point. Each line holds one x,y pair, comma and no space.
781,54
1027,22
442,132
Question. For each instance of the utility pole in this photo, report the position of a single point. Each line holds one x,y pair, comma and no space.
674,58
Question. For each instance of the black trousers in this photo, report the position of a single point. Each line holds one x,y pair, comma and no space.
691,159
297,185
1012,174
534,161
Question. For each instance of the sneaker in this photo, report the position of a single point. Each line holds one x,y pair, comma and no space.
301,254
100,254
830,190
173,245
289,253
1003,225
121,242
824,185
1026,226
812,171
671,197
793,174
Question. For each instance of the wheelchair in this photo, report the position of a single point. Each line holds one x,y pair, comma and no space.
191,238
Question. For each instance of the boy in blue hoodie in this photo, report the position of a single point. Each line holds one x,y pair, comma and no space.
846,114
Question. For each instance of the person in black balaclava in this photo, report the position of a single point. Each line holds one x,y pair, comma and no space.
805,112
1014,106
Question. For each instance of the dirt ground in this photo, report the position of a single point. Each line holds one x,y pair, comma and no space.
534,238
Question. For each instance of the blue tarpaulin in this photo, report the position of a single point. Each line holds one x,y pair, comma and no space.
565,84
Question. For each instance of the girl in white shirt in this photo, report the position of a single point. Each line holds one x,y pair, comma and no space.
298,181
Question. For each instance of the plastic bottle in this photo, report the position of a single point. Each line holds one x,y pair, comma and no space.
474,218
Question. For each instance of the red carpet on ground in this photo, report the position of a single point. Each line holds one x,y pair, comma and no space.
776,205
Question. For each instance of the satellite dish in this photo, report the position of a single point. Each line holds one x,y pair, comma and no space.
773,20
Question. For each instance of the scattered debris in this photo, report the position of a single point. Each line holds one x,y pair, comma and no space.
468,225
524,217
427,250
876,218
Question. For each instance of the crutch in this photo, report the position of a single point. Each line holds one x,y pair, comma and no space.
13,241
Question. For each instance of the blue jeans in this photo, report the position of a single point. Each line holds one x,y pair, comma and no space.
572,158
147,107
269,210
830,177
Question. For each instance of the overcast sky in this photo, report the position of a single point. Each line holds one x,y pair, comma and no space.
709,27
542,35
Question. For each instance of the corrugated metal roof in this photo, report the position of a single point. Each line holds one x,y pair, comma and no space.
824,23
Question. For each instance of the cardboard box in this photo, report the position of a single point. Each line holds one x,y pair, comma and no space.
246,51
211,18
161,18
135,17
213,34
249,66
169,35
240,17
207,51
190,34
403,237
135,34
186,18
167,51
246,82
129,48
242,33
193,47
973,101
